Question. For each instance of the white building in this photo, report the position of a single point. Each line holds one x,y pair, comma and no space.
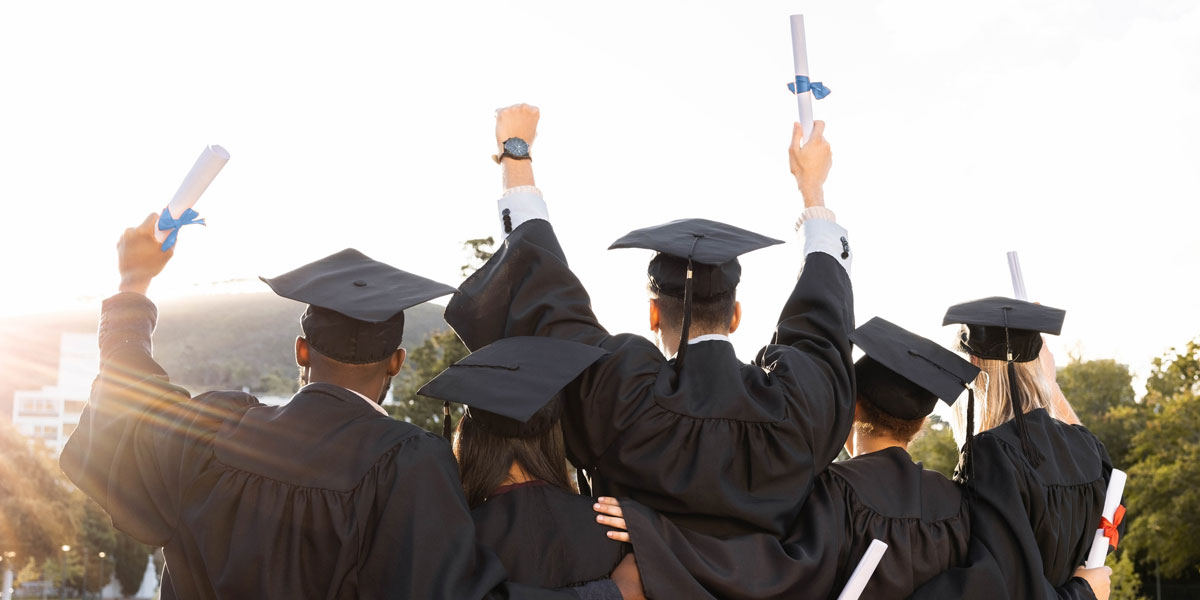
52,413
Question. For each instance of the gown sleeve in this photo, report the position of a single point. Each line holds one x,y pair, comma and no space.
999,493
676,562
810,353
527,289
140,439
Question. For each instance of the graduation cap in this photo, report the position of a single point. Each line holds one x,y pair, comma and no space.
934,369
355,304
697,258
1007,329
511,387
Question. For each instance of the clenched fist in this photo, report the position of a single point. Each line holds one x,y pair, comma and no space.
810,163
140,257
519,121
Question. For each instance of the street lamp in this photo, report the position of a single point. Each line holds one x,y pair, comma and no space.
62,587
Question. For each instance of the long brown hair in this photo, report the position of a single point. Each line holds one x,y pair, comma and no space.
484,459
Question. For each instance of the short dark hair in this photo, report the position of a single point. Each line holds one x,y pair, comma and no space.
709,314
875,381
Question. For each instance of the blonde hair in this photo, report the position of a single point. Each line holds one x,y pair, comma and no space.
993,407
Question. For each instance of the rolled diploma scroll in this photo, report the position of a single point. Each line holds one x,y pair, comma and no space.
862,573
1018,280
800,58
1112,499
211,160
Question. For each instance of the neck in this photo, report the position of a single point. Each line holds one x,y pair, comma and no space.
860,444
670,341
371,389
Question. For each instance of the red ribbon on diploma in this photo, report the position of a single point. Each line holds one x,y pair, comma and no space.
1110,529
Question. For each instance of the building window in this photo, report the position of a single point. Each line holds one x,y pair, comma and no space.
74,407
45,432
37,407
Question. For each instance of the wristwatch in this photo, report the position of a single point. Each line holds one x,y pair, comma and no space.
514,148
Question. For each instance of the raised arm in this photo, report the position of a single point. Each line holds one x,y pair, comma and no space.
810,351
526,288
111,455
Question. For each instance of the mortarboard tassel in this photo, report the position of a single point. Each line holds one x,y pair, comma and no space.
446,421
1018,407
965,468
685,329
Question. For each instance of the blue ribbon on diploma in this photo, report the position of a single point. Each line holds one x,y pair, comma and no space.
802,85
166,221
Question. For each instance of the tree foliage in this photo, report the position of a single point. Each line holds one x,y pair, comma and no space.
1101,392
935,447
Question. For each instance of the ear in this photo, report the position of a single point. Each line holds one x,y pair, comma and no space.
737,316
654,316
301,351
395,361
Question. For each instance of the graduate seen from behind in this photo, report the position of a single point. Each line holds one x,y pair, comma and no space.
323,497
880,493
1035,476
513,463
721,446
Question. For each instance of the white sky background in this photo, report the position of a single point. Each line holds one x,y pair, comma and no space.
1066,130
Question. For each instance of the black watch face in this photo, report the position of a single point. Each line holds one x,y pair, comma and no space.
516,147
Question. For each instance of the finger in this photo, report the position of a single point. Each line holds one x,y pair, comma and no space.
797,135
818,131
620,536
148,224
608,509
613,522
608,500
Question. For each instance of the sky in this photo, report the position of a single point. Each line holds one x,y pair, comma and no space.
1063,129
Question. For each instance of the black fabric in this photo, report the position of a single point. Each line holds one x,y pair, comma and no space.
706,242
349,340
939,371
987,320
721,447
513,384
320,498
668,276
356,304
547,537
1034,524
920,514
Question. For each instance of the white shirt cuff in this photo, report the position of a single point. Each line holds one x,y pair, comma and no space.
521,204
820,234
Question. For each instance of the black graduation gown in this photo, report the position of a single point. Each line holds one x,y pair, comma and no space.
1035,523
921,515
546,536
321,498
725,448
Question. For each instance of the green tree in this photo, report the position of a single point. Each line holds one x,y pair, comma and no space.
440,350
1126,584
1101,392
1163,493
37,514
935,447
130,558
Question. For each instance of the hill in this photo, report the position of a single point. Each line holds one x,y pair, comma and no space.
225,341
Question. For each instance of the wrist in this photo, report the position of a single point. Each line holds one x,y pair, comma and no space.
516,173
813,196
137,285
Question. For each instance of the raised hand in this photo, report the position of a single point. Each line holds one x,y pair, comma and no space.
140,257
519,121
810,163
